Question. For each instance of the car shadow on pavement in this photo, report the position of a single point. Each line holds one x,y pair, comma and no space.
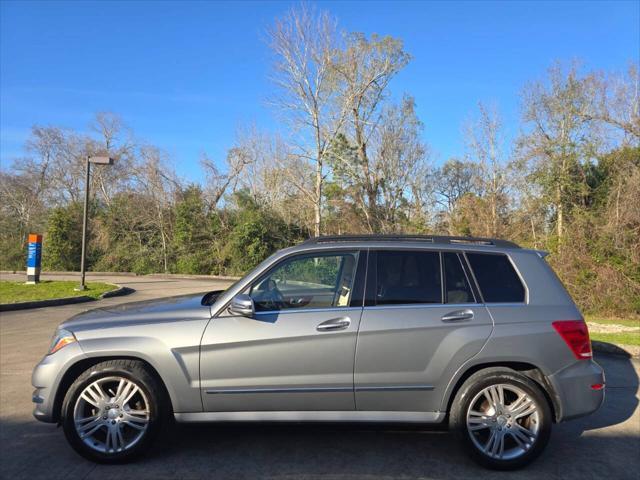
603,445
309,452
620,401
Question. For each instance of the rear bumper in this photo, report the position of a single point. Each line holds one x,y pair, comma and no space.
575,389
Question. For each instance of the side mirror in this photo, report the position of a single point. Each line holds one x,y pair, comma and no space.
243,305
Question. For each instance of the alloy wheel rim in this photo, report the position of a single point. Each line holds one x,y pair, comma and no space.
111,414
503,421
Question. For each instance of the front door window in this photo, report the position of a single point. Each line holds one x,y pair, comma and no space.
309,281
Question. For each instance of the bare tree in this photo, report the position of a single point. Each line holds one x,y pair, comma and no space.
484,143
561,135
423,204
265,179
364,69
396,159
53,154
21,200
27,188
157,184
59,156
399,155
618,103
218,182
115,140
304,43
452,181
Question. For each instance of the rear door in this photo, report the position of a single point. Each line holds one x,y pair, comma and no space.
421,322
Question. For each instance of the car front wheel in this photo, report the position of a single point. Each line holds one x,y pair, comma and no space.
112,412
502,417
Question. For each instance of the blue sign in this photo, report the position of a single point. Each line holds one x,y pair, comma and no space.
34,258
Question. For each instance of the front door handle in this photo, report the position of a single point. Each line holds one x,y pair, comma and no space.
334,324
458,315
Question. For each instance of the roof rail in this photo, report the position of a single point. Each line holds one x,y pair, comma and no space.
436,239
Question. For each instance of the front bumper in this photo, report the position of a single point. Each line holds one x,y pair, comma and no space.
46,379
575,389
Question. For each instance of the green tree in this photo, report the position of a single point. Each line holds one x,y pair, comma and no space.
62,244
126,238
561,139
193,233
256,234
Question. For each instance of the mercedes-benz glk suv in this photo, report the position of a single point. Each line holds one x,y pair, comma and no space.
477,333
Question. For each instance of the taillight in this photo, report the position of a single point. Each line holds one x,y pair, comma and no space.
576,335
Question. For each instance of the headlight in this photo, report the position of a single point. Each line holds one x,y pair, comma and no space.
61,339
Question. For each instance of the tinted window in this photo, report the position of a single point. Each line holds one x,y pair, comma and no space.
497,279
408,277
319,281
457,288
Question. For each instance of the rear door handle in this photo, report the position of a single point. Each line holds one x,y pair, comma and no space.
334,324
458,316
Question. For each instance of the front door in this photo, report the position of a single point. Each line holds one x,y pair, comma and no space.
297,352
422,323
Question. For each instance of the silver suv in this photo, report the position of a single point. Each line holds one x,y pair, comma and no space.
478,333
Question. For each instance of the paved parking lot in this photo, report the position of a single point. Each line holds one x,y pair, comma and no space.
605,445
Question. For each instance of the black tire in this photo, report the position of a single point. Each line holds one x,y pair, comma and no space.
475,384
133,371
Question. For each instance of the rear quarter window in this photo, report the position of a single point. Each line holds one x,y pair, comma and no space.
497,279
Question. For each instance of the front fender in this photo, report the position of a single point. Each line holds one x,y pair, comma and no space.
47,377
178,367
171,348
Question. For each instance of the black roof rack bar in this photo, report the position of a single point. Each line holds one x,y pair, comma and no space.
436,239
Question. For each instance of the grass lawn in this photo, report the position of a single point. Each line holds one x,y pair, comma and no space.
622,338
628,337
14,292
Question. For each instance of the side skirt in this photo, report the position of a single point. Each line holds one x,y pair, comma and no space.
304,416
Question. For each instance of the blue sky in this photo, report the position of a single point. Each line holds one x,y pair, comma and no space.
186,75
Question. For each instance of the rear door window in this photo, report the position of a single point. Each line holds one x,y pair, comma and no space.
457,288
408,277
497,279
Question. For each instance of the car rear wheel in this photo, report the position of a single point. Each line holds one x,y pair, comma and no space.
113,411
502,417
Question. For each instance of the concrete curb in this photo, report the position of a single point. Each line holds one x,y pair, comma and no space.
55,302
88,274
628,351
190,277
131,274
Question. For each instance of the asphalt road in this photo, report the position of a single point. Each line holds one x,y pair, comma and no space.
605,445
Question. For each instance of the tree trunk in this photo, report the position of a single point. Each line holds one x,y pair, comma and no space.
559,213
317,207
494,205
369,187
164,245
494,223
372,199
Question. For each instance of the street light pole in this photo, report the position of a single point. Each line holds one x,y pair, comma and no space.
90,160
84,226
